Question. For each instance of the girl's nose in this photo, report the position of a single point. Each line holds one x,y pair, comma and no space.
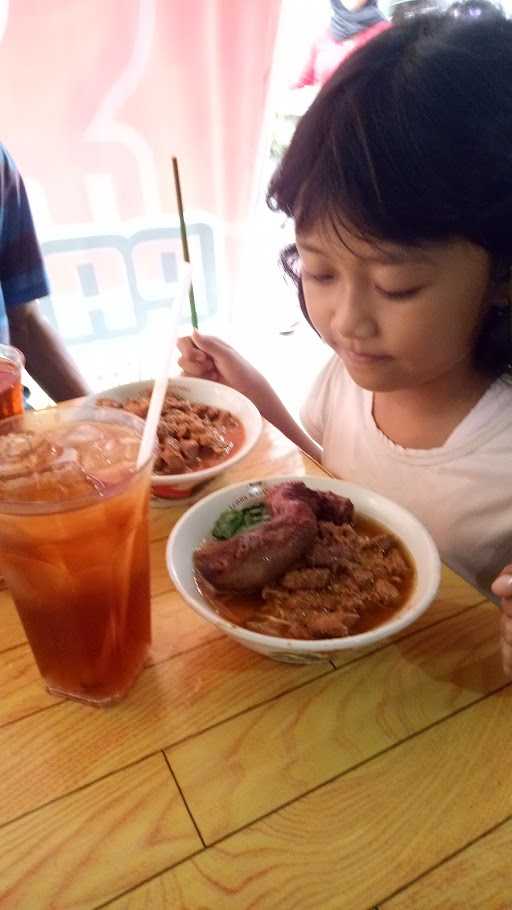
352,318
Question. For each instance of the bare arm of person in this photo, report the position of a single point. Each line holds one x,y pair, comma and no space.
210,358
45,355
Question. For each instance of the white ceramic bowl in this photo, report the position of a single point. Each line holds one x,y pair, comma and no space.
176,486
197,522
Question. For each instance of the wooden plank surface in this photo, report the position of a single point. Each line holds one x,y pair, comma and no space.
96,842
12,632
478,878
273,754
377,779
174,699
353,841
176,629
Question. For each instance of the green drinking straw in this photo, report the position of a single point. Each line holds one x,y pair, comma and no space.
184,239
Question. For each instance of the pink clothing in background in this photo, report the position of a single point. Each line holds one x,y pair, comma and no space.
326,54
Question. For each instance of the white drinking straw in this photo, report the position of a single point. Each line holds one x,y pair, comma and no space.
162,379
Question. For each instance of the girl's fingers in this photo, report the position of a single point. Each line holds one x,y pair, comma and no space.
192,361
197,370
190,351
185,344
502,585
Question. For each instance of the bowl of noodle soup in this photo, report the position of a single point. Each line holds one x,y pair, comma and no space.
195,411
386,517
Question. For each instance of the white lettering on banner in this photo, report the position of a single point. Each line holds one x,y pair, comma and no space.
109,285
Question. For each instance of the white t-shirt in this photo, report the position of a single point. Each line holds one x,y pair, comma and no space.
462,491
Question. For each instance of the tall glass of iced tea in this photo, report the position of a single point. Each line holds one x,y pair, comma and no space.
74,545
12,362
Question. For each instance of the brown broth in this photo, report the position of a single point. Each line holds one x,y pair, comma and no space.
239,608
234,436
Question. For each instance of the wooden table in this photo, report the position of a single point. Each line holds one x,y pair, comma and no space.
226,780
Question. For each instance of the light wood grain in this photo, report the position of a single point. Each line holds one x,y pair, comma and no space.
172,700
273,754
160,580
12,632
363,836
479,878
176,628
22,690
95,844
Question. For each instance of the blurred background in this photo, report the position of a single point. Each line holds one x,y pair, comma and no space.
113,90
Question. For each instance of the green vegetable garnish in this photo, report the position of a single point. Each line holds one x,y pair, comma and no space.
234,521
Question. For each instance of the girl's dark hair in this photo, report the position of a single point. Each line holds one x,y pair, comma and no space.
410,141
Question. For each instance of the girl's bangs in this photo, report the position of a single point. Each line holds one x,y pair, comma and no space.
356,182
367,155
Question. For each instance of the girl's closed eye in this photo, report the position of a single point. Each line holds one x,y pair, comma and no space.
400,293
319,277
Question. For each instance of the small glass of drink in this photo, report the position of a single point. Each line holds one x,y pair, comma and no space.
74,545
12,362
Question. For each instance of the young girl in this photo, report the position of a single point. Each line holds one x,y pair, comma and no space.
399,179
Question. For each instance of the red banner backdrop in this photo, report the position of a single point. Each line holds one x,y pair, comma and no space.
96,98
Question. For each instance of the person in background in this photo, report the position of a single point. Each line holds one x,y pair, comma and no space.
474,9
22,281
353,23
399,182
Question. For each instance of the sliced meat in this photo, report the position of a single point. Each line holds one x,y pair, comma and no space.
170,459
323,555
332,507
396,564
382,542
256,558
189,449
138,406
363,578
326,506
330,625
303,600
306,579
385,593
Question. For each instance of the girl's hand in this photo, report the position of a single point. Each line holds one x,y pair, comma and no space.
210,358
195,362
502,587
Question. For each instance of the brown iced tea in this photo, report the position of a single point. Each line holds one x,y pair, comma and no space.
74,546
11,389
